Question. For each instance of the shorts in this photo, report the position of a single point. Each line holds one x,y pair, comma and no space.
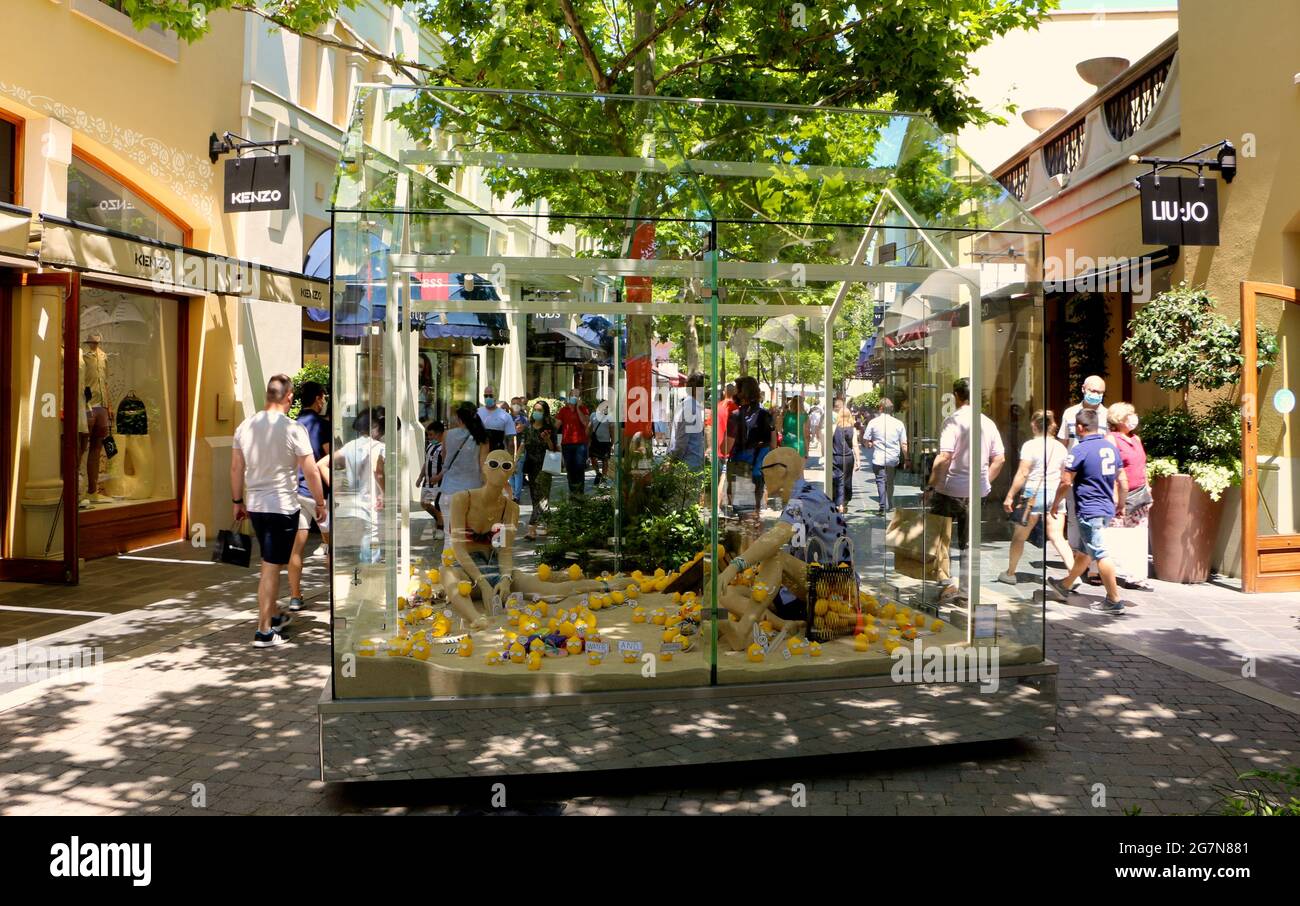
599,449
307,515
1037,501
1091,537
275,534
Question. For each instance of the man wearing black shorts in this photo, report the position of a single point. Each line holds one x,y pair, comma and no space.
269,450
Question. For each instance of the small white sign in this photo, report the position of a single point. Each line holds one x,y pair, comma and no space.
598,647
626,646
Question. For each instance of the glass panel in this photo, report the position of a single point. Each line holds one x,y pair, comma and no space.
640,263
96,197
1279,458
8,161
34,382
128,359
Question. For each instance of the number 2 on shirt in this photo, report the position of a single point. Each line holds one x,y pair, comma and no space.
1107,456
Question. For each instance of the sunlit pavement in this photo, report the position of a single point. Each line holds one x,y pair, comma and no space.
183,711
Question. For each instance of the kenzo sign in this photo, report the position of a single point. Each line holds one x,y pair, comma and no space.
257,183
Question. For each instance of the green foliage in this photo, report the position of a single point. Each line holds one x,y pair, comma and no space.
1278,796
1178,341
312,371
662,522
1205,445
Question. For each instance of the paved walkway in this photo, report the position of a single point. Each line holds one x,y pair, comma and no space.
182,700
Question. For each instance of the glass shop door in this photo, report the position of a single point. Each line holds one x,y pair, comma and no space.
44,429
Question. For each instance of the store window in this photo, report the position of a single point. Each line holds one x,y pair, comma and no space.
8,161
99,198
127,364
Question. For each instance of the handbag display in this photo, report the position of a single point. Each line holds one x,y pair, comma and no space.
132,415
233,547
832,581
920,541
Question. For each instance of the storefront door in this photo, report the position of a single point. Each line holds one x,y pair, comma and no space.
1270,487
41,414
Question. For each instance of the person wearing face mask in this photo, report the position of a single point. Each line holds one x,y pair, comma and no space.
520,416
1094,391
540,438
497,422
575,421
1133,550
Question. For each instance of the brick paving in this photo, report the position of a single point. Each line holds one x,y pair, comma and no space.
185,711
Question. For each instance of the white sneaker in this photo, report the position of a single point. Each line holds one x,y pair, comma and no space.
1007,578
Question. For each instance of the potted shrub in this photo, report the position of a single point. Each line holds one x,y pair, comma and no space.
1179,342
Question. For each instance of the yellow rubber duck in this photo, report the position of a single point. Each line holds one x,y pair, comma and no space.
542,607
629,657
687,642
448,557
543,572
754,654
888,611
369,647
464,588
594,658
536,645
575,572
814,649
433,575
659,573
574,645
517,653
512,617
421,649
795,645
632,592
860,642
638,615
567,630
535,660
936,626
466,647
617,597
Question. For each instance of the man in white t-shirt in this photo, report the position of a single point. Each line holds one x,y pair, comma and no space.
1094,391
269,450
886,437
951,473
498,422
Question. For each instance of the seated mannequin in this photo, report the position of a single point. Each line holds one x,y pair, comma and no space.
482,536
804,504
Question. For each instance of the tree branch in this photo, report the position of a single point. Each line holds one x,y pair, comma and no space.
584,45
672,19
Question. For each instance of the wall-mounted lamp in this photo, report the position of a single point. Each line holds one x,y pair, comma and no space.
230,142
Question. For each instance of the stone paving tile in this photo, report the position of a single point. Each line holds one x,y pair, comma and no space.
241,723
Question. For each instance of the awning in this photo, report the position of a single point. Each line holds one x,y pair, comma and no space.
1127,275
576,349
16,237
150,264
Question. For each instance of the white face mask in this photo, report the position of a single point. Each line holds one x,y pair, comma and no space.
1132,422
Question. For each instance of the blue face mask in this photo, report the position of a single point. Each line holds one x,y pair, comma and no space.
573,401
1092,399
489,401
537,416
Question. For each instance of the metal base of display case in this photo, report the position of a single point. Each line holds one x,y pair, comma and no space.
404,739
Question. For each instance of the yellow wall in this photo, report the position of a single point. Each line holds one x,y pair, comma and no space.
148,118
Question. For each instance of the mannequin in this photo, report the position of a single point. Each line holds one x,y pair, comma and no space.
95,392
776,568
483,521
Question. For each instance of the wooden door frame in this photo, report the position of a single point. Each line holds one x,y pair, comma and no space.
1251,580
27,569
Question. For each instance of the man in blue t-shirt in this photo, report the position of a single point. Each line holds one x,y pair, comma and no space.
311,415
1093,473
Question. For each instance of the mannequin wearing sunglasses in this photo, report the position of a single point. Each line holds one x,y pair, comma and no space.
776,568
482,535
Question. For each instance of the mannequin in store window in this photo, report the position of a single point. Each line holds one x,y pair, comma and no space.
94,382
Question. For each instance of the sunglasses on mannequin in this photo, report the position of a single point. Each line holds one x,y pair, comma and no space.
504,465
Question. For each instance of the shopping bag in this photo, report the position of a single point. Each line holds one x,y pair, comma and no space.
233,547
1128,548
920,541
553,463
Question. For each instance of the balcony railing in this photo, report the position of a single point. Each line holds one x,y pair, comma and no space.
1126,111
1062,153
1016,180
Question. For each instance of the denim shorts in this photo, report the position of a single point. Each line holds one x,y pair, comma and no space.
1091,537
1037,501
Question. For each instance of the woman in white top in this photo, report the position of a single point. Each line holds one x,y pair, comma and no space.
1032,490
359,498
464,449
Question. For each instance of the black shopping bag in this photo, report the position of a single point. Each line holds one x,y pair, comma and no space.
233,547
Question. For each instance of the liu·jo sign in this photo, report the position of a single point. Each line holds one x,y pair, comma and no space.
257,183
1180,211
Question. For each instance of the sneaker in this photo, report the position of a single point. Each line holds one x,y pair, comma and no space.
1111,608
1061,588
270,639
1135,584
281,622
1007,578
295,604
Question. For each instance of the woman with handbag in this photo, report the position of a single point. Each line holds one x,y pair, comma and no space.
539,446
464,449
1132,548
1032,490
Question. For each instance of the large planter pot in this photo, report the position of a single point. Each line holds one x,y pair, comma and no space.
1184,527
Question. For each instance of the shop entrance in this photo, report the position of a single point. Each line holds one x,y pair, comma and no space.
1270,486
40,410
